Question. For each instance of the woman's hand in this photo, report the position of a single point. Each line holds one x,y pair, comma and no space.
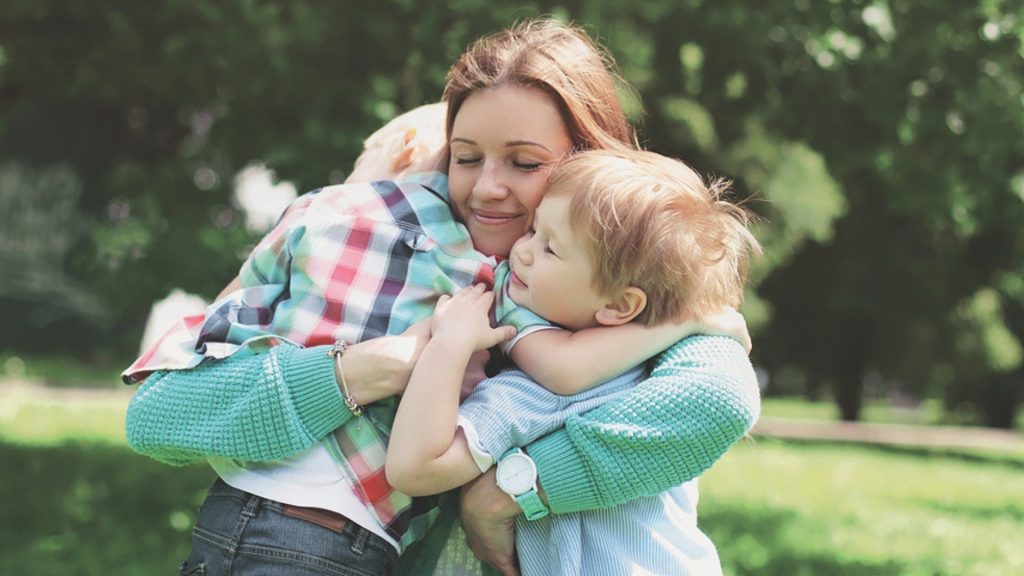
475,373
488,518
380,368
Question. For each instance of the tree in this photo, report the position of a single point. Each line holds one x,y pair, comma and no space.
916,109
880,140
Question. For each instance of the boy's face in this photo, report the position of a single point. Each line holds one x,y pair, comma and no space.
553,271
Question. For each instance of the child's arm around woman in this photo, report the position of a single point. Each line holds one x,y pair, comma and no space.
426,452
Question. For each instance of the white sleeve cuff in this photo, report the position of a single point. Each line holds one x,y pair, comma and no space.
508,345
482,458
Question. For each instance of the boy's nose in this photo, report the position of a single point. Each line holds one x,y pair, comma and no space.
521,252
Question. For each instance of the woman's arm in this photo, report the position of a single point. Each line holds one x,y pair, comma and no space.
701,398
263,406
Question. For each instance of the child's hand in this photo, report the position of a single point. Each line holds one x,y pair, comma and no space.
727,322
463,319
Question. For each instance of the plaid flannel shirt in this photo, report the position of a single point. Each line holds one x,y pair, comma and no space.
349,262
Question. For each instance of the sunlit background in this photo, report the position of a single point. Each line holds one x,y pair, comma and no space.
144,148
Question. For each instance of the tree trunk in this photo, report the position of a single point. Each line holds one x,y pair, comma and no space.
850,396
1000,397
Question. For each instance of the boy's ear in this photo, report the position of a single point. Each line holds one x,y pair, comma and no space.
404,159
622,309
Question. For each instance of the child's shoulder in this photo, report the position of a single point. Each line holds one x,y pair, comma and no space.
378,198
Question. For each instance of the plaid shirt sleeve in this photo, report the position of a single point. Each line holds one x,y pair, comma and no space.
239,318
355,262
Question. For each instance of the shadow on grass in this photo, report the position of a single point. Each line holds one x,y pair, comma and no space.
766,541
1013,461
95,509
1012,512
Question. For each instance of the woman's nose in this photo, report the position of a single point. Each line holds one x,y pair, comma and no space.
489,185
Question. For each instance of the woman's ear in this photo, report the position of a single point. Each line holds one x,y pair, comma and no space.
623,308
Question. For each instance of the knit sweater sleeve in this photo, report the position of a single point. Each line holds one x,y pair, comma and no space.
253,407
701,398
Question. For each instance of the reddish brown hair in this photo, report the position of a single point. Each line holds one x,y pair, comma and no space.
558,59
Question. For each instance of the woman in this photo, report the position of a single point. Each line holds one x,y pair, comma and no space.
517,102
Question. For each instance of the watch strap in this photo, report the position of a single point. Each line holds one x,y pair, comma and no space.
533,507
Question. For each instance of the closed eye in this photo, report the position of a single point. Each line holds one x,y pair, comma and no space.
528,166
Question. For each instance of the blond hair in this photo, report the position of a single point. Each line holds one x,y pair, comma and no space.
651,222
558,59
409,143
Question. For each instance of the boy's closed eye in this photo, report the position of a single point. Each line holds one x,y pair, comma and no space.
531,232
547,247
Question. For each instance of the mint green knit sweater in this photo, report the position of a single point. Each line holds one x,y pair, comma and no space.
700,399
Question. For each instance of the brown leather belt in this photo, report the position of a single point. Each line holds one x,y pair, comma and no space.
319,516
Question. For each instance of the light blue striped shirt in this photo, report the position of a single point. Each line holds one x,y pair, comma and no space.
654,535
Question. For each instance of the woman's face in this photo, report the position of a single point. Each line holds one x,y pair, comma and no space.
504,143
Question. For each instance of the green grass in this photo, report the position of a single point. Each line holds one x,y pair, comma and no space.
40,416
73,495
75,499
830,509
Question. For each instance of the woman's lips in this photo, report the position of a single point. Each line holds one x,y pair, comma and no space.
493,218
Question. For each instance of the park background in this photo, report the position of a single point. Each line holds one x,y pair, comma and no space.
145,146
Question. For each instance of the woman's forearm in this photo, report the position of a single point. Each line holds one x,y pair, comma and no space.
701,398
262,406
380,368
253,407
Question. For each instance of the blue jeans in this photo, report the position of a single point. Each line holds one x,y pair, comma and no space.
241,534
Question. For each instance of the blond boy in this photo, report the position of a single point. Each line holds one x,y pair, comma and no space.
621,238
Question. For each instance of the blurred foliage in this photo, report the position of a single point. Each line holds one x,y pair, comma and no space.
879,140
84,507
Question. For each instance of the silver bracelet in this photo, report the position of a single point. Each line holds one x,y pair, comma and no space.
337,352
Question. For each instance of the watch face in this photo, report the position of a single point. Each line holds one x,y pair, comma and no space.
516,474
